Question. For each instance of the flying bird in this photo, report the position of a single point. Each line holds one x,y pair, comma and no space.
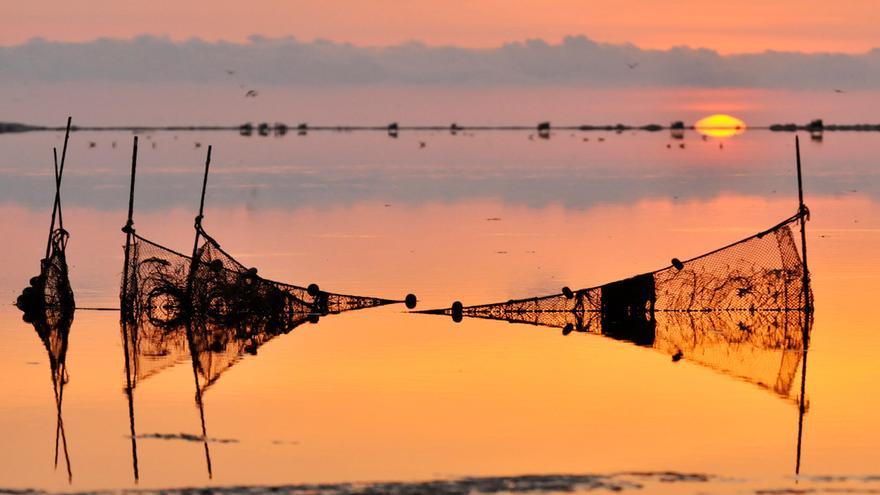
251,94
230,71
632,65
838,90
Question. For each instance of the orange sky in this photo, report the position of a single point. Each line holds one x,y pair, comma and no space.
750,25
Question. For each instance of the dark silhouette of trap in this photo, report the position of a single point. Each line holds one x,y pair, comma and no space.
47,303
206,307
745,309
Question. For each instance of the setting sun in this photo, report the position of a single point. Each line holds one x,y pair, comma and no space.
720,125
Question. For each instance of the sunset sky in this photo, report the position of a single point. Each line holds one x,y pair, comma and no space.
728,27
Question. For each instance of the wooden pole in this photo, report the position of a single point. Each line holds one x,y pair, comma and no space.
58,385
128,228
58,189
802,409
198,227
194,351
202,201
808,304
59,170
196,365
125,316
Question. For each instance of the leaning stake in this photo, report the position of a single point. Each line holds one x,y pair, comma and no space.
56,205
126,311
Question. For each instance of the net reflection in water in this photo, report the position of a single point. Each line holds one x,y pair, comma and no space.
741,310
229,310
48,305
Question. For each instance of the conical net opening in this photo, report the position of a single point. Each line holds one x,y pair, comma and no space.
760,273
48,304
740,309
49,296
213,310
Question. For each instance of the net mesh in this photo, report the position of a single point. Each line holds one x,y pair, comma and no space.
739,309
214,310
49,296
227,290
760,273
47,304
212,347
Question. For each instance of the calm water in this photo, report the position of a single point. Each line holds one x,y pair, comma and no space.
380,394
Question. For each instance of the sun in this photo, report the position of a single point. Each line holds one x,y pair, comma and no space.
720,125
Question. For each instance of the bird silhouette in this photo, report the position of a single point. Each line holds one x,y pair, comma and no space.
251,94
838,90
422,144
632,65
230,71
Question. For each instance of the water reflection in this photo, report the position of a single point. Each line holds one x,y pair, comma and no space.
53,328
434,238
744,310
209,303
47,303
726,309
764,348
212,345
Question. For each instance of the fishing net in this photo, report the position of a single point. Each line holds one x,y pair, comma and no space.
216,347
213,347
49,296
213,310
740,309
47,304
760,273
166,286
225,290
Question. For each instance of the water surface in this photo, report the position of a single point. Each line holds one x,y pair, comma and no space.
381,395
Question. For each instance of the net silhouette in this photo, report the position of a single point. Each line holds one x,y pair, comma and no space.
49,296
48,304
208,306
53,328
741,309
228,308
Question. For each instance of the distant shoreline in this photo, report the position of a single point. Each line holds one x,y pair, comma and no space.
279,128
